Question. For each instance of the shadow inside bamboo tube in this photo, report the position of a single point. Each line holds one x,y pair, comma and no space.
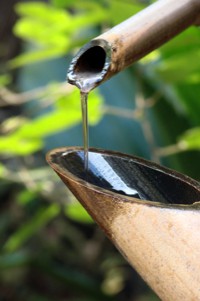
90,65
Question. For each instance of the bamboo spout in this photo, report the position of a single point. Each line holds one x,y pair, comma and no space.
131,40
149,212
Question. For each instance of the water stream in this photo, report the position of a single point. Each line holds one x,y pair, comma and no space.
84,107
85,81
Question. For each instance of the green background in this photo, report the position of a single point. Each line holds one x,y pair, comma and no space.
50,249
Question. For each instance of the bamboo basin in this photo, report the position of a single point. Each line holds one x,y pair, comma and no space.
156,226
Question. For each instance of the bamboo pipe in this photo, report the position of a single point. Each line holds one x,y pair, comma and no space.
160,240
131,40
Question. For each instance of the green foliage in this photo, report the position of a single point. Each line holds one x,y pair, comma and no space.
53,30
180,68
20,146
46,237
2,170
13,260
28,138
174,69
5,80
190,140
38,221
76,212
120,11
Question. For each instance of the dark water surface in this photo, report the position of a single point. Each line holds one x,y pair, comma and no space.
130,177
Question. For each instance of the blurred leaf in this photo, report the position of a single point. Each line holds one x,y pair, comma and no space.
181,57
76,212
187,41
169,69
71,103
28,229
95,104
61,3
122,10
190,140
12,145
28,138
25,196
49,124
151,57
193,78
77,281
88,13
37,55
5,80
58,19
2,170
114,281
12,123
44,13
10,261
78,4
176,73
49,35
52,29
189,95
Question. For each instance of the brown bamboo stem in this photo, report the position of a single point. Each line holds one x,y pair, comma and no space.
134,38
161,241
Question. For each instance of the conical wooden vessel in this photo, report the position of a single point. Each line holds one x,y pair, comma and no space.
159,237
